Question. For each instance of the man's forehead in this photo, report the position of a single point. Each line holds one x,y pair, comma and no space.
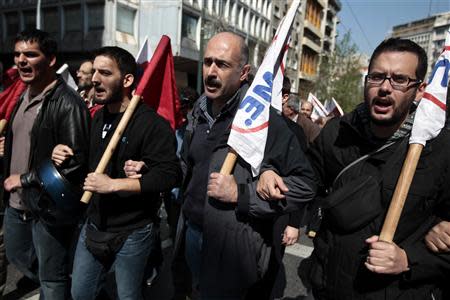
104,62
223,48
396,62
27,46
87,65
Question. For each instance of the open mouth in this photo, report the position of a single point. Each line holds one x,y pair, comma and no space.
382,105
99,91
25,71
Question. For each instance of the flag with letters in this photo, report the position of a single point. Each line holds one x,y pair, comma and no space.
250,125
431,114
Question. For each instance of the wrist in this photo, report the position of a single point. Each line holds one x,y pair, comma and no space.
405,261
114,186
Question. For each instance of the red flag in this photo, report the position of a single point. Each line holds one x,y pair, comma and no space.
9,77
10,96
157,86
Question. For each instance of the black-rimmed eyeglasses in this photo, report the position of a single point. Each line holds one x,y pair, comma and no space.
398,82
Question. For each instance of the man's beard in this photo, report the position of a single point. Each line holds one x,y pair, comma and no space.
116,96
399,114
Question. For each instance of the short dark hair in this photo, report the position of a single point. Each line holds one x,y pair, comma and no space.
245,53
125,61
403,45
286,89
46,43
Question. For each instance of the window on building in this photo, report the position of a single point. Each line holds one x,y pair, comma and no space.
233,14
314,13
125,19
50,20
29,18
12,24
189,27
96,16
252,24
73,20
241,18
308,64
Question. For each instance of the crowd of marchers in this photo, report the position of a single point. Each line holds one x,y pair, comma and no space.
229,231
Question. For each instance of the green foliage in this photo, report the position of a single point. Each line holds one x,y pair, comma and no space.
339,75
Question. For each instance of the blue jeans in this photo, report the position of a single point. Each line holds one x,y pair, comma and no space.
19,243
129,265
30,239
193,252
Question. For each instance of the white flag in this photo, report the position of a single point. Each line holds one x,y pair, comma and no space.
145,53
65,74
431,113
250,125
319,111
333,108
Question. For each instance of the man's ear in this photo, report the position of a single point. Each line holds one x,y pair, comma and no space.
128,80
244,72
420,91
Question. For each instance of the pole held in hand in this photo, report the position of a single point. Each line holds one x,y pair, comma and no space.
400,193
113,142
3,123
228,164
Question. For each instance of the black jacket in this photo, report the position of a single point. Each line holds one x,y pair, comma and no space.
338,270
149,138
237,239
62,119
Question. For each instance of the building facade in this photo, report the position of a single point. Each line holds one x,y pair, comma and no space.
429,33
81,26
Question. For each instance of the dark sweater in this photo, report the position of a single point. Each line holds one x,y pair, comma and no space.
148,138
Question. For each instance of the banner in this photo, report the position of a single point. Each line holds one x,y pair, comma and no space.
250,125
318,110
431,114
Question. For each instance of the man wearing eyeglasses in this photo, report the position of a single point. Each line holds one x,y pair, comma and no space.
358,159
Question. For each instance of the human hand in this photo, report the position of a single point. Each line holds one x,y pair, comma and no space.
438,238
2,146
271,186
60,153
222,187
385,258
290,236
132,168
12,183
99,183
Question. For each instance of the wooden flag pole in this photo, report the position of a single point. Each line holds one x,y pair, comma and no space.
228,164
113,142
400,193
3,123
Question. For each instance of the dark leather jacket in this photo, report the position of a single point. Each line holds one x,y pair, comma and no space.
62,119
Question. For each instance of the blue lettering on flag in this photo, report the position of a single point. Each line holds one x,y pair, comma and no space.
252,104
264,92
442,63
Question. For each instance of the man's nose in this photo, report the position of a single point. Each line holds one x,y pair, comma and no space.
22,59
212,70
386,85
95,78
